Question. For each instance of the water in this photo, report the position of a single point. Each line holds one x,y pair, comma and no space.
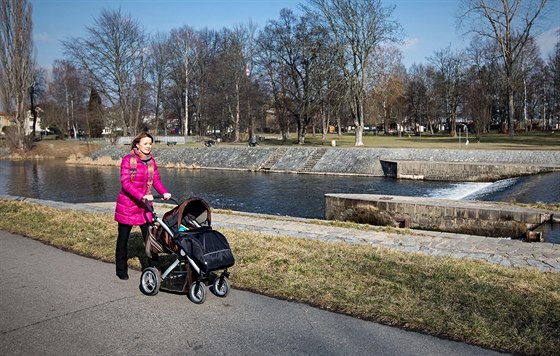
299,195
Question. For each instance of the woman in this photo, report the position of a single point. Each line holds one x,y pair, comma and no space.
139,173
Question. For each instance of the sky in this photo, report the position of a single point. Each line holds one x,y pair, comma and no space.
429,25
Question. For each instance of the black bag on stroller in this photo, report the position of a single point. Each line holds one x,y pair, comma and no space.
208,248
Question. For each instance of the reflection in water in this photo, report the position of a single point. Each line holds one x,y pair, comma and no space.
300,195
54,180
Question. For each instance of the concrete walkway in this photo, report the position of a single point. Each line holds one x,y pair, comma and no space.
58,303
506,252
544,256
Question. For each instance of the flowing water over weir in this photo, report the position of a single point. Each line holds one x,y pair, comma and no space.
299,195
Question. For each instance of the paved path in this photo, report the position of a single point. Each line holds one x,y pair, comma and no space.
544,256
57,303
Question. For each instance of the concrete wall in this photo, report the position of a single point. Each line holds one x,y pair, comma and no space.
465,217
352,161
458,171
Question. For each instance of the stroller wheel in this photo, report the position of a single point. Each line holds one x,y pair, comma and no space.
221,287
150,281
197,292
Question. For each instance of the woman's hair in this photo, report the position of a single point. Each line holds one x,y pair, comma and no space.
139,137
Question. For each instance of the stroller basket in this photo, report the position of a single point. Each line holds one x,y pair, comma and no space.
208,248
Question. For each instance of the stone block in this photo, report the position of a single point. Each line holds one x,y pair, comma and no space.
506,215
382,205
461,212
408,209
449,211
392,207
488,214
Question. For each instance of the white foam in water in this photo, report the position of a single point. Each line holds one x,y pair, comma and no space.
497,186
458,191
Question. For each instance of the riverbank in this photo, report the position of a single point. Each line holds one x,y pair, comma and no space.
461,165
51,149
536,150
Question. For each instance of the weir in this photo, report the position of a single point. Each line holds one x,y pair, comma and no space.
457,216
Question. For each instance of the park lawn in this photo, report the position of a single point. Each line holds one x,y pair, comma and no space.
530,141
533,141
510,309
526,141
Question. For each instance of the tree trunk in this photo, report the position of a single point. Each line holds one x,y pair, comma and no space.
338,126
511,116
34,113
359,135
359,123
236,125
325,124
186,125
301,131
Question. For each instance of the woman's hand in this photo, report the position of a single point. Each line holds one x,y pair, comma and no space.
166,196
148,197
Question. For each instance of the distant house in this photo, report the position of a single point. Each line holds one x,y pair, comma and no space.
5,121
29,121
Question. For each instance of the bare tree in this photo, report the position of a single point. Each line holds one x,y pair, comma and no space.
67,92
248,44
417,96
295,50
449,66
478,88
526,83
207,45
36,92
509,24
357,27
232,63
275,80
184,58
16,71
553,78
158,64
386,80
112,55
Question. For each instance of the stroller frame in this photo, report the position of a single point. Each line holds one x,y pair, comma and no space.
178,276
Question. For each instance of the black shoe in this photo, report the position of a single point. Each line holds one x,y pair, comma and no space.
124,277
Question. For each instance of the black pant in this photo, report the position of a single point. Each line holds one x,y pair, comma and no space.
121,251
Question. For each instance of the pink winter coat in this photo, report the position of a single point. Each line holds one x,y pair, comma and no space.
130,208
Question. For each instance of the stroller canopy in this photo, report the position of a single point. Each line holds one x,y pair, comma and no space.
190,213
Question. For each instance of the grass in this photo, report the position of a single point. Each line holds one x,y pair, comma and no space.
530,141
509,309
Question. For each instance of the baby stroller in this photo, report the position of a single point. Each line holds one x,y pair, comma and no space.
201,253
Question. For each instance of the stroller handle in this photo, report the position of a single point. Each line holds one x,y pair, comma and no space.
149,207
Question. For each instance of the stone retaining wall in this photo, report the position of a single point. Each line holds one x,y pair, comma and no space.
456,216
458,171
344,161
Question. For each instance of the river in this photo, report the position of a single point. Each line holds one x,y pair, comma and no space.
299,195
